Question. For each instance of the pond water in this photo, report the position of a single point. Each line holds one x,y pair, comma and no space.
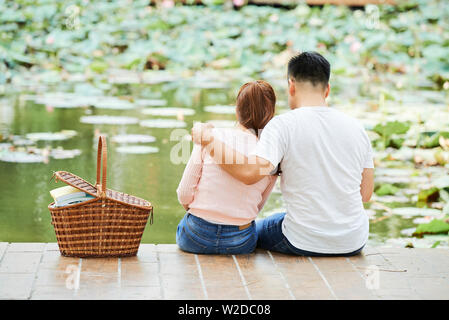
141,167
139,147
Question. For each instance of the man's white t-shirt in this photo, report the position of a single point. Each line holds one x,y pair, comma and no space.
322,153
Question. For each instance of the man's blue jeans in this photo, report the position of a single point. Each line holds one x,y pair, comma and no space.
197,235
270,237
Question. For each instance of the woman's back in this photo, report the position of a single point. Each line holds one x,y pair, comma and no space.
213,194
220,209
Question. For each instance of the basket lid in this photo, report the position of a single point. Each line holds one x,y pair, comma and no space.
83,185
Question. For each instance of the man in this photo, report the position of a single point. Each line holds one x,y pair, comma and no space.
327,168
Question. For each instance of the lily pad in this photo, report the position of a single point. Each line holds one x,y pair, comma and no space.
408,232
387,189
21,157
156,77
113,120
115,104
432,139
413,211
65,100
428,195
18,141
208,85
442,182
133,138
136,149
168,112
391,199
150,102
163,123
51,136
60,153
435,226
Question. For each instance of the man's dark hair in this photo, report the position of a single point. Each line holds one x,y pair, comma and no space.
311,67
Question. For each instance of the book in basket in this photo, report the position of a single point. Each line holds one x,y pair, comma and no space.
68,195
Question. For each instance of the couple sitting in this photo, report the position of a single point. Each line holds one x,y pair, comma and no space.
323,156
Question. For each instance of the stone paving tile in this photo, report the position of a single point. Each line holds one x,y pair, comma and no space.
387,279
139,293
165,272
433,262
146,253
52,246
3,246
173,263
426,272
434,288
179,274
304,280
181,293
53,260
139,274
113,293
26,247
52,293
15,286
100,275
262,278
52,278
20,262
345,281
100,265
168,248
221,277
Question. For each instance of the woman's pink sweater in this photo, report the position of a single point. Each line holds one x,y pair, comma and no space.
214,195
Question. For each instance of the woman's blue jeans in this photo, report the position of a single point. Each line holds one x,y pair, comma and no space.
270,237
197,235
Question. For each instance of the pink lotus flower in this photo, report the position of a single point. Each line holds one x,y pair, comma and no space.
238,3
50,40
168,4
355,46
321,45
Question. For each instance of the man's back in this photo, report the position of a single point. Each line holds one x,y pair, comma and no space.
322,154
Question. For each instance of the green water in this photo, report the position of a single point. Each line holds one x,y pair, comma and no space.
24,195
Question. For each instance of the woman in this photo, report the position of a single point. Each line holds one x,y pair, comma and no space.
220,209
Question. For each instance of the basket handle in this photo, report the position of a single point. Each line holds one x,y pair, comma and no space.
101,155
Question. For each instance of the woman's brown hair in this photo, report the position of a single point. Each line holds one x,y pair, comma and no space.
256,102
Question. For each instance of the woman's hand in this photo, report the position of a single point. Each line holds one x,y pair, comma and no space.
202,133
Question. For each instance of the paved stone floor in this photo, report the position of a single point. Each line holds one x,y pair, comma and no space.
37,271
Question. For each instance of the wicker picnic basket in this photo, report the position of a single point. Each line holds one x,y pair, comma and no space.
109,225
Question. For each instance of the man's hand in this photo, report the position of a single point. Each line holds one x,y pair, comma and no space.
248,170
202,133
